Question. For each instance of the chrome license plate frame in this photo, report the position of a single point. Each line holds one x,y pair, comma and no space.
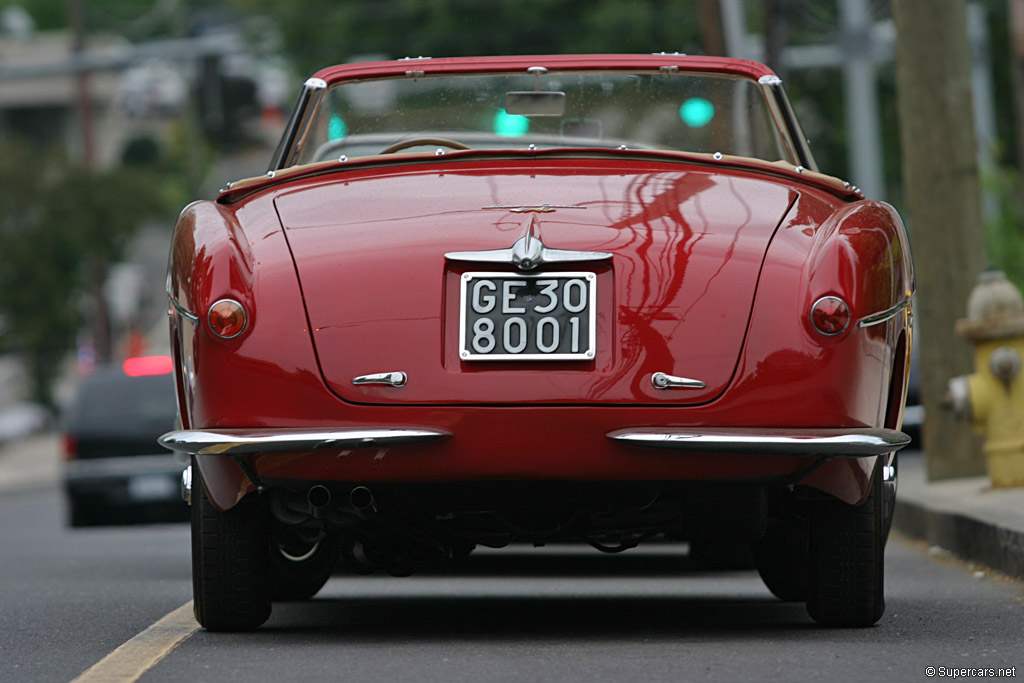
563,329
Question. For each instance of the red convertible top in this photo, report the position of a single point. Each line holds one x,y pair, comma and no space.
454,65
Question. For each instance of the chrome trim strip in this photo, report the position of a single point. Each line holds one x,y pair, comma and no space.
392,379
535,208
528,253
662,381
270,440
804,442
788,123
191,317
309,96
885,316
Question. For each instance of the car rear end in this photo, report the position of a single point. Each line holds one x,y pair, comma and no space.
475,347
114,470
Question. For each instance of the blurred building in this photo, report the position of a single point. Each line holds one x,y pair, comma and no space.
39,87
217,84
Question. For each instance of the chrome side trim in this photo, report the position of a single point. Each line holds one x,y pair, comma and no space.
185,313
884,316
662,381
315,84
246,441
834,443
391,379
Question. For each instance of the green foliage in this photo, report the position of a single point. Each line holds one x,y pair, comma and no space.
1004,231
318,33
133,19
60,225
39,319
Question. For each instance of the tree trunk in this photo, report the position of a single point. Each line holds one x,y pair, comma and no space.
100,312
943,198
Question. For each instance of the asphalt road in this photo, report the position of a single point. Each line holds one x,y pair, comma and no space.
71,597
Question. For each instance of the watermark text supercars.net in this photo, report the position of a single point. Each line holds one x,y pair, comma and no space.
970,672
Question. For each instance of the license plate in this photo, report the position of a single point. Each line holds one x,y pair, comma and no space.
527,317
146,488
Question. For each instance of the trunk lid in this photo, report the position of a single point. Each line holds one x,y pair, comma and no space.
686,249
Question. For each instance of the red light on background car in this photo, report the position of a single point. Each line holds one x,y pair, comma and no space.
830,316
226,318
140,366
69,447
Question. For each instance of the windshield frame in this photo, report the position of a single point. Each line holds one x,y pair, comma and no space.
790,136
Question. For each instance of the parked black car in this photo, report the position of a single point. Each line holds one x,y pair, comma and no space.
114,470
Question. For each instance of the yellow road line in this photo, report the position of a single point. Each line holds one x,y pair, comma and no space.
137,656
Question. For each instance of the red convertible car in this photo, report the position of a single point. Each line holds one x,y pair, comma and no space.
479,301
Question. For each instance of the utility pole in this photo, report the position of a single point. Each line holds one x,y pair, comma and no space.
943,196
99,318
1017,42
712,35
82,90
860,95
776,35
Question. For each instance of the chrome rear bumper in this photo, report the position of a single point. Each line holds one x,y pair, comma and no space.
245,441
835,443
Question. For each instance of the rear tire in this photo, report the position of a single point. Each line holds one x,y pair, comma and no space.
82,513
230,562
847,546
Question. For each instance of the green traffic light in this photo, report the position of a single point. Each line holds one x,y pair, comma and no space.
336,128
510,125
697,112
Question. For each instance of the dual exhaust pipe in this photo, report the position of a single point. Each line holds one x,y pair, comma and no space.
360,499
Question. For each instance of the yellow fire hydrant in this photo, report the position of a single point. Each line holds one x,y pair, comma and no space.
993,397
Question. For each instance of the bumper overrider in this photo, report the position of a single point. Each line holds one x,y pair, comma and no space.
831,443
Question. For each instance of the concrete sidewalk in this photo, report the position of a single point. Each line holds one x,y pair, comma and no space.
965,516
30,464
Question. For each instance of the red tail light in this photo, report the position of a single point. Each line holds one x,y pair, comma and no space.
830,316
69,447
226,318
140,366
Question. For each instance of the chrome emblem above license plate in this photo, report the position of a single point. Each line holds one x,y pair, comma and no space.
544,316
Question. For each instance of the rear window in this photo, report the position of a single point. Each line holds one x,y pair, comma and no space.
112,402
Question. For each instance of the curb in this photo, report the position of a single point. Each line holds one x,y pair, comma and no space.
965,516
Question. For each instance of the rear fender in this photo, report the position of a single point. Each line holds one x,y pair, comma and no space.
859,253
268,374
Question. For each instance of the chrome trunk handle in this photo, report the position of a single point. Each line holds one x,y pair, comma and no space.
391,379
662,381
